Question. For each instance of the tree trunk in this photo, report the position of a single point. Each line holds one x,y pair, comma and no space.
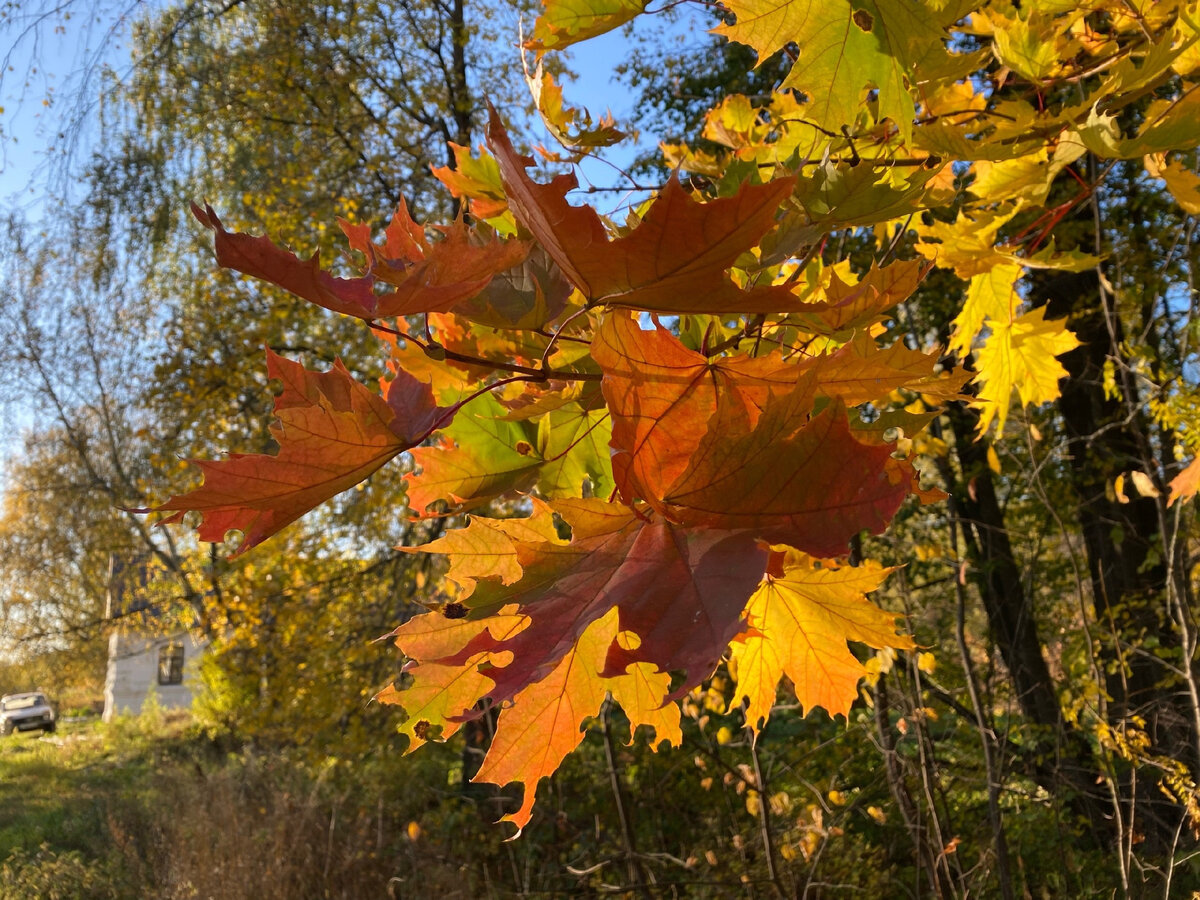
1106,437
1063,757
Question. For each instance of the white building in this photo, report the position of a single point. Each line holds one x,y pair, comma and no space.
141,663
141,658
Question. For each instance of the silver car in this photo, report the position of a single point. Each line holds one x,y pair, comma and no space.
26,712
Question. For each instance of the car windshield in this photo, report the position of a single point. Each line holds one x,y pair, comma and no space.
23,702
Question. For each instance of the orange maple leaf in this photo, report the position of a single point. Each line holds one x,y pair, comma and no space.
438,698
1186,484
542,725
791,478
662,394
692,437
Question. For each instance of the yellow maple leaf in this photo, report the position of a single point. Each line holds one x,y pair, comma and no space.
845,48
438,696
968,244
1020,354
990,295
1022,45
566,22
1183,184
800,621
1025,178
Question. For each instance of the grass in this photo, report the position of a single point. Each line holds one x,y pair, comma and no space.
58,789
153,809
58,795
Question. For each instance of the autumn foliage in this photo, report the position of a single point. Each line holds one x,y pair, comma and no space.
692,412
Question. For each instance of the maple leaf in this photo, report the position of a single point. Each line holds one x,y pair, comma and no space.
425,277
485,453
968,244
260,257
1022,45
1169,124
1020,353
844,49
856,305
800,619
436,698
862,372
525,296
332,433
680,590
479,456
990,295
674,261
573,128
566,22
692,438
486,548
477,180
793,478
842,194
573,441
612,611
1183,184
535,733
1186,484
431,277
1027,178
662,395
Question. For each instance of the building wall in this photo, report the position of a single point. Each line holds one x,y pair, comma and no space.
133,672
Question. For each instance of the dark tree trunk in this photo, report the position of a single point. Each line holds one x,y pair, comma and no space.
1105,437
1063,757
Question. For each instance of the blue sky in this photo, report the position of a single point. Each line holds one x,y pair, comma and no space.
49,89
50,82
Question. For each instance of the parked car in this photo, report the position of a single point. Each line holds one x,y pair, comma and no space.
25,712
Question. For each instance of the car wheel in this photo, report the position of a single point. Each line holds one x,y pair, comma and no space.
51,728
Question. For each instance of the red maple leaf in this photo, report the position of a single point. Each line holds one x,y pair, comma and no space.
681,590
332,433
425,277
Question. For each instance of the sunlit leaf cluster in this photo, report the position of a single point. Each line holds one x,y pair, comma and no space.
697,408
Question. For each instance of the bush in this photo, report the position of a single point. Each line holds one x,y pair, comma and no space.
46,875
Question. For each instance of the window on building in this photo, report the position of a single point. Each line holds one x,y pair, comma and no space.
170,664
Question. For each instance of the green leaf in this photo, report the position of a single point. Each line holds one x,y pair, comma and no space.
481,455
574,443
